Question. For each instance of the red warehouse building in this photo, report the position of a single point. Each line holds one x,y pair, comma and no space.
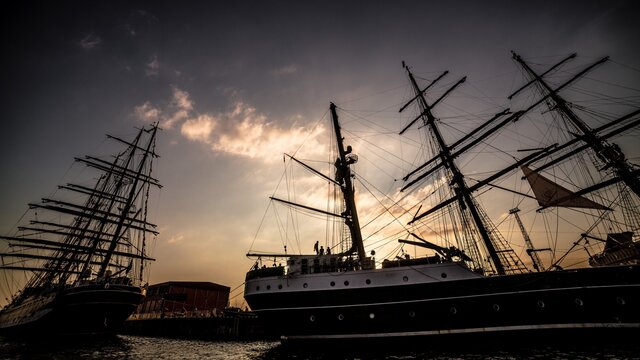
184,298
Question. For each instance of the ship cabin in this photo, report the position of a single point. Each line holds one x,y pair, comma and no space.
311,264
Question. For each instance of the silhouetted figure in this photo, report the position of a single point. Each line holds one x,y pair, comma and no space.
339,171
321,250
315,248
328,251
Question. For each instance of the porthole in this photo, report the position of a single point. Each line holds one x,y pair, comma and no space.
579,302
340,317
368,282
258,288
346,283
405,278
268,287
412,314
305,285
372,316
620,301
312,318
453,310
443,275
333,283
496,307
279,286
541,304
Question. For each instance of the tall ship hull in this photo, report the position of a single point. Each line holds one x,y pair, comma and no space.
447,300
85,309
84,261
446,269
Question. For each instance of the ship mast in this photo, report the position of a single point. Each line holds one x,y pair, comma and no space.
609,154
128,205
343,172
458,181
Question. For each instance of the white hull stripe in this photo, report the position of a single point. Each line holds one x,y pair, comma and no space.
448,298
465,331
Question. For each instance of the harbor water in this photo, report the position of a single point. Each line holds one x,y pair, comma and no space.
137,347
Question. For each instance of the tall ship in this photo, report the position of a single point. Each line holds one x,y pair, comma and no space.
80,260
428,257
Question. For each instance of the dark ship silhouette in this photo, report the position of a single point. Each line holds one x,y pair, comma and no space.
474,283
87,259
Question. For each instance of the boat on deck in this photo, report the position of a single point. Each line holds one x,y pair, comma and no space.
465,277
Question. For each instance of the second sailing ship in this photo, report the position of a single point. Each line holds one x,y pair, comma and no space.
87,259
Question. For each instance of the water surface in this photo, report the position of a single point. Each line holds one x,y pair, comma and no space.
137,347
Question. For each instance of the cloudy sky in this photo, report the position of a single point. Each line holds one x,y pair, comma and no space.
236,84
